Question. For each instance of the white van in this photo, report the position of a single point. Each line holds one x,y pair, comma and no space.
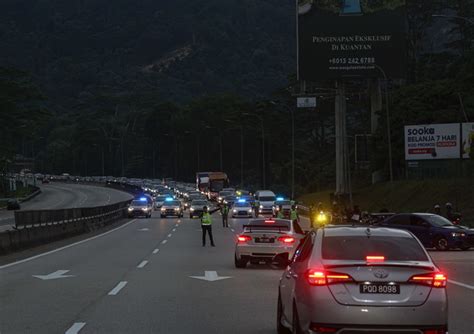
266,200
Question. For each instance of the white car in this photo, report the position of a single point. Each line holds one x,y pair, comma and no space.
242,209
263,239
266,200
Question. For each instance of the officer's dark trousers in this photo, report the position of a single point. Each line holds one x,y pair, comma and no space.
225,221
208,229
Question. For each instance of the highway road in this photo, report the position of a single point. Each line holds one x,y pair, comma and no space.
149,276
65,195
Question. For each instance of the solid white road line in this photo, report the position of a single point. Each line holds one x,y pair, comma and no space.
467,286
117,289
75,328
142,264
65,247
164,242
156,251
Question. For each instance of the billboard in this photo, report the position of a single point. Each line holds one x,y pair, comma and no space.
350,38
433,141
468,140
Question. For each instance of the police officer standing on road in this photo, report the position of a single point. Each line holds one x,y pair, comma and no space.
437,210
225,215
280,214
294,214
206,225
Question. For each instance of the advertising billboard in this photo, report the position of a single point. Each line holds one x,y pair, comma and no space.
351,38
433,141
468,140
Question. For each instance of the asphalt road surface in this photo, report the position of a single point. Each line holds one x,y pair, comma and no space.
65,195
137,278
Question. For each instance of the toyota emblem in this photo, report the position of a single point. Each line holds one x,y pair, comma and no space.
380,273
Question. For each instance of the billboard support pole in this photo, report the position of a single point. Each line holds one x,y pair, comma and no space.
342,186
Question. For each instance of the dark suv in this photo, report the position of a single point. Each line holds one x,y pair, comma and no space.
433,230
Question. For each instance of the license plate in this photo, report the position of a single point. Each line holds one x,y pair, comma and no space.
264,240
377,288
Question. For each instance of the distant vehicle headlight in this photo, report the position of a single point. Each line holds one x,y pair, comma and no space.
163,209
145,209
191,209
130,209
250,210
261,206
234,211
176,209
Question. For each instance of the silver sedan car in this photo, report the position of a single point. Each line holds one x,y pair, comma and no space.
351,280
263,239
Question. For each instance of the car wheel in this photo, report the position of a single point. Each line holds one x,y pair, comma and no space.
242,263
465,248
296,322
441,244
280,328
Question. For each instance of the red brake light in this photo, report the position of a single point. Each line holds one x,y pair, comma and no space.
286,239
374,258
436,280
434,331
320,277
269,221
244,238
323,329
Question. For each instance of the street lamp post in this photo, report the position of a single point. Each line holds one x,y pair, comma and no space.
387,115
292,113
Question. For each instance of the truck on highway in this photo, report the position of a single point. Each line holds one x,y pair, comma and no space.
211,183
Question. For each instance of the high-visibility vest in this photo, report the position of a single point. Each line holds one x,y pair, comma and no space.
206,219
225,210
280,215
293,215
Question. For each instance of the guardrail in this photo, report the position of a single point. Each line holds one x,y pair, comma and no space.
42,226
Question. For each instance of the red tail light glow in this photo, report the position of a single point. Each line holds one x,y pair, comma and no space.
434,331
286,239
436,280
269,221
320,277
244,238
374,258
323,329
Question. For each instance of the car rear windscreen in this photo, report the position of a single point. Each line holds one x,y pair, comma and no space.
356,248
277,226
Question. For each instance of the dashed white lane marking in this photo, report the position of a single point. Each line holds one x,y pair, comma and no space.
142,264
117,289
174,230
164,242
232,230
169,235
467,286
176,225
66,247
156,251
75,328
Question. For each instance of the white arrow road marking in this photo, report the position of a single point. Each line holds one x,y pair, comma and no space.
75,328
211,276
144,229
156,251
117,289
57,274
142,264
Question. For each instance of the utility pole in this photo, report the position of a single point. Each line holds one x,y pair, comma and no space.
342,172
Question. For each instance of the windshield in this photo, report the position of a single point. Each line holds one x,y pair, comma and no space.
199,203
138,203
282,203
266,198
242,205
356,248
438,221
160,198
216,185
225,193
172,203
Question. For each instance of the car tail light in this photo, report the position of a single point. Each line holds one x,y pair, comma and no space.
374,258
286,239
269,221
244,238
436,280
322,329
435,331
321,277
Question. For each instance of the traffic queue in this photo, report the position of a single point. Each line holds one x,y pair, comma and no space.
372,275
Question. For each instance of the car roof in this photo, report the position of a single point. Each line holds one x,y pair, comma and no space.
335,231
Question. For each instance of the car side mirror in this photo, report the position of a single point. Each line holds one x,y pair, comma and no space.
281,261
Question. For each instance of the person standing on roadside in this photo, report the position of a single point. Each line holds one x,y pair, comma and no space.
437,210
294,214
206,225
225,215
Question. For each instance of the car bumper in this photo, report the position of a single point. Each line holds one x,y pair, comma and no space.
138,213
467,241
431,314
262,252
